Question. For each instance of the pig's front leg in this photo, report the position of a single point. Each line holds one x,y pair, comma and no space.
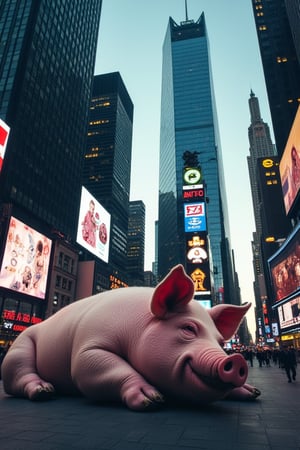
101,375
245,392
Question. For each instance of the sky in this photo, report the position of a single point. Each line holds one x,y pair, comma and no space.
130,41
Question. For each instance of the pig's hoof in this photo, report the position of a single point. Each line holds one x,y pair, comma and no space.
42,392
154,402
144,399
256,392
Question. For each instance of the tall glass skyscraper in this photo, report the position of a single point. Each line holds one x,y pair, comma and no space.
189,124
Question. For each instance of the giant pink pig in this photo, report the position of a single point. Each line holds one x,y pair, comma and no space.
138,344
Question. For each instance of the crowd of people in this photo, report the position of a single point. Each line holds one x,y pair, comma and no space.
285,358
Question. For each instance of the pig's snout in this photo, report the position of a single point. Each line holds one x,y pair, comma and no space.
233,369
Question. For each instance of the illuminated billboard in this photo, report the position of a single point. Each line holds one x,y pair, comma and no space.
289,314
194,217
4,132
284,267
193,194
289,166
93,231
198,262
26,259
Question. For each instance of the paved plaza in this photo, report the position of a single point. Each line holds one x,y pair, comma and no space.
272,422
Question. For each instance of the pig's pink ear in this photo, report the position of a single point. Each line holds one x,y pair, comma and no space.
227,318
175,290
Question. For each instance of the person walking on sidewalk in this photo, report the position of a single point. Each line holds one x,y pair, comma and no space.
289,362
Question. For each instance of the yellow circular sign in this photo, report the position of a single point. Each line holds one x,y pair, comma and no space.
267,163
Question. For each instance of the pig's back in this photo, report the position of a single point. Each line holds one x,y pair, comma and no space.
97,320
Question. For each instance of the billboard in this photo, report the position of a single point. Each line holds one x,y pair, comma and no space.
198,262
26,259
289,166
93,230
194,217
289,314
284,267
4,132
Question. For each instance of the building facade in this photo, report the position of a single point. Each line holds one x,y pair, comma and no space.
280,63
136,242
47,59
46,68
189,126
107,161
271,223
293,12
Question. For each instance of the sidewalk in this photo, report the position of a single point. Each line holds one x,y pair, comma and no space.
269,423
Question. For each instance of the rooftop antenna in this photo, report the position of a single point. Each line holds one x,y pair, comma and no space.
186,11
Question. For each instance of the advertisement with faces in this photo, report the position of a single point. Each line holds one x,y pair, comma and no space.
26,260
93,230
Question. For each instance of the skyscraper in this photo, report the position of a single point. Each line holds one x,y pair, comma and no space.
280,64
47,58
136,242
107,165
293,12
271,223
189,124
260,146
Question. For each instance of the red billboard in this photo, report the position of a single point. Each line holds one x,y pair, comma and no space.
289,166
93,231
4,132
26,259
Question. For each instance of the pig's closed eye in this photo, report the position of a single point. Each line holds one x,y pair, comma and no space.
190,329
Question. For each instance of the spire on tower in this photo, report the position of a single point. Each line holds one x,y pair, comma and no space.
186,11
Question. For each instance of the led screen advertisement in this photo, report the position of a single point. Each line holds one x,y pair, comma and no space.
26,259
4,133
289,166
93,231
289,314
284,267
198,263
194,217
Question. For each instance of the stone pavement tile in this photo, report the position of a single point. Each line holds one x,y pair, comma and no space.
269,423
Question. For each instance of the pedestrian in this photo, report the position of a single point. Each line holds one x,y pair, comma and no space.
249,354
289,362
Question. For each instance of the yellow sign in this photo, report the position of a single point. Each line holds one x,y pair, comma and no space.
268,163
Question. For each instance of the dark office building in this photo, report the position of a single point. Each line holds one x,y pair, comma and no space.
280,64
47,57
293,12
189,127
107,165
136,242
275,224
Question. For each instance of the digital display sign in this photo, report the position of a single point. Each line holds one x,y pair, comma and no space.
93,231
4,133
284,267
198,263
194,217
289,314
26,259
195,194
289,166
201,278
